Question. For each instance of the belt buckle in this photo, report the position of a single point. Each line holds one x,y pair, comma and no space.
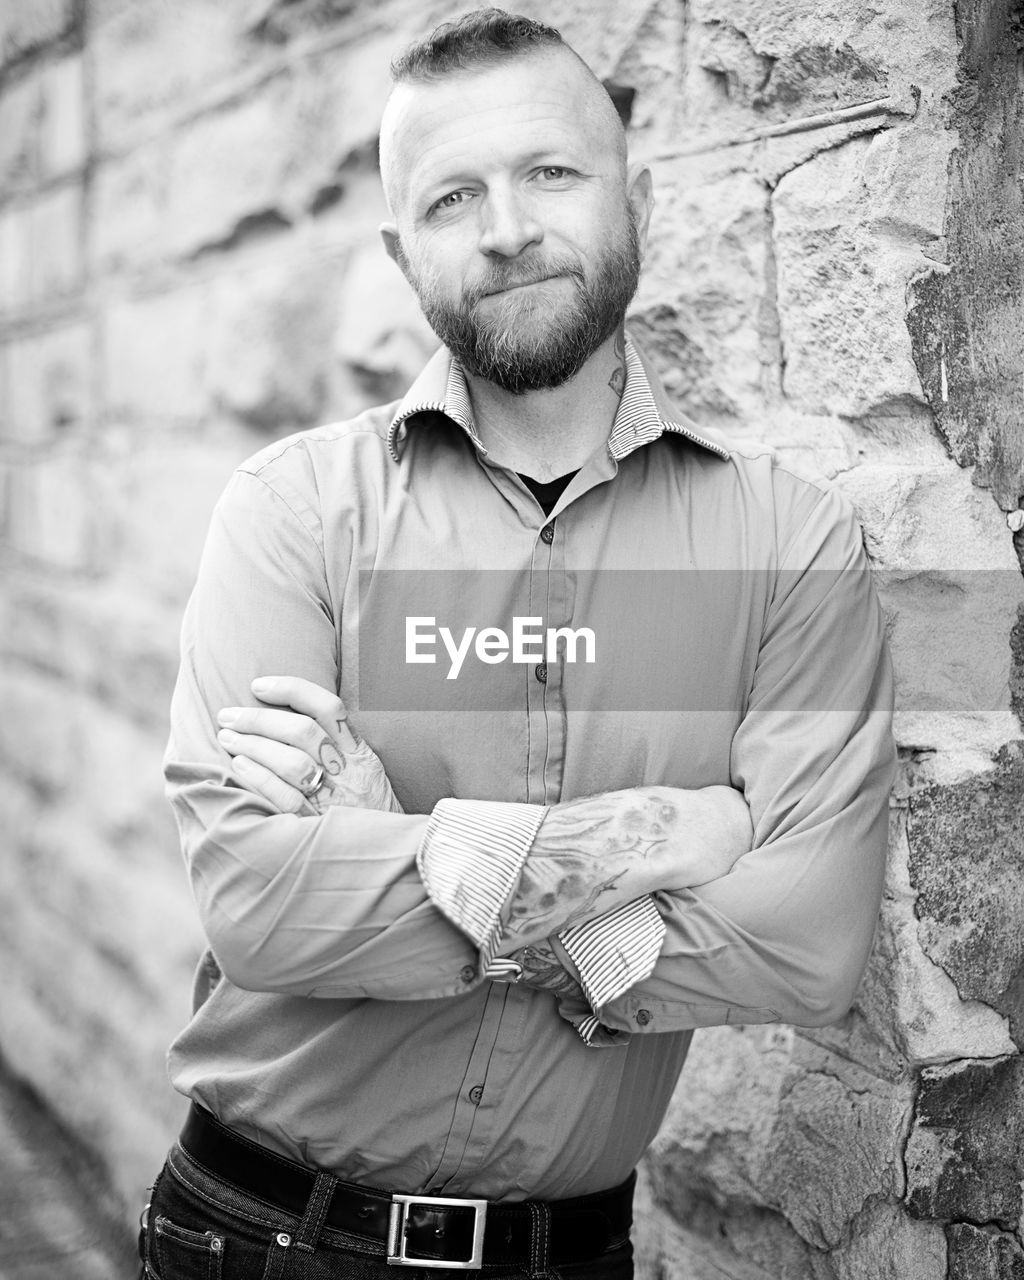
400,1206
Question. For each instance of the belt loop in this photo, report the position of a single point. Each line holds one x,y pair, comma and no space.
316,1211
540,1239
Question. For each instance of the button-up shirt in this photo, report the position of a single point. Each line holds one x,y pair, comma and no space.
346,1015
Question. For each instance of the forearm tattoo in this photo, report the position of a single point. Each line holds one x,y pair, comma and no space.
580,857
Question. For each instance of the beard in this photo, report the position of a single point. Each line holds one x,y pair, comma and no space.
528,342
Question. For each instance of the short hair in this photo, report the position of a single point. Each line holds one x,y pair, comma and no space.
477,39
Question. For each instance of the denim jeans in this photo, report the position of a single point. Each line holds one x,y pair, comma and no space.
200,1228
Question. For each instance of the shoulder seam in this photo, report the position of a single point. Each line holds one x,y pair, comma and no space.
318,543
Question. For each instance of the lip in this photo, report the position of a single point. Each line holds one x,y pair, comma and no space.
526,284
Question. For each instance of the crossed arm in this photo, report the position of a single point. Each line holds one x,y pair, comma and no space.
587,857
332,903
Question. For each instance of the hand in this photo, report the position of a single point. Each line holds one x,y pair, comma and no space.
277,753
543,970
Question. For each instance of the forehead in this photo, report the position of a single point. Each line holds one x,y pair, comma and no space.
493,115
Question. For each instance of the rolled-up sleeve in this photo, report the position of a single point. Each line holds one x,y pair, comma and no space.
786,934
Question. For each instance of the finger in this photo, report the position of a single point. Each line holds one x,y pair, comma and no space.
310,699
254,777
295,767
299,731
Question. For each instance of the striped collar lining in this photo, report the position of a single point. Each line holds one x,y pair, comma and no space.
637,420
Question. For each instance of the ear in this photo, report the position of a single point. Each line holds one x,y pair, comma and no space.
640,193
392,243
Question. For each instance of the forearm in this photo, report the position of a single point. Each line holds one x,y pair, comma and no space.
328,905
785,938
593,855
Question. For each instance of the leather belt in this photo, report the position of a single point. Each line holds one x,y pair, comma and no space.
417,1230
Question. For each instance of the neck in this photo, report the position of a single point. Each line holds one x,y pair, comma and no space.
545,434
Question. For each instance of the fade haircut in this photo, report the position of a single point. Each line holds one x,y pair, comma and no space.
478,39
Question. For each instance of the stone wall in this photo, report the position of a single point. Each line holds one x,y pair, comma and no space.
189,266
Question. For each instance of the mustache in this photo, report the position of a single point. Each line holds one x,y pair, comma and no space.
512,275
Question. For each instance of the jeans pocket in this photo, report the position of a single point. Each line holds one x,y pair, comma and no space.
179,1254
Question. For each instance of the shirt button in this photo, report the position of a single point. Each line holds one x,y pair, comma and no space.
541,672
475,1094
643,1016
467,973
547,534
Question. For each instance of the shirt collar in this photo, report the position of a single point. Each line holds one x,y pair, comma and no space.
644,412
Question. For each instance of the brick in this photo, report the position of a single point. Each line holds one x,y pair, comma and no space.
105,635
27,24
41,249
150,58
54,519
161,499
131,207
262,158
15,257
155,356
103,935
42,125
49,383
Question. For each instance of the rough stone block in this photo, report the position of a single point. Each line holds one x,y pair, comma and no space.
381,340
42,124
964,1155
908,1000
27,24
270,356
965,847
979,1254
840,290
703,292
764,1118
49,384
885,1244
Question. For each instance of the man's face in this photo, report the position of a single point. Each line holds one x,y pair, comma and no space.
514,223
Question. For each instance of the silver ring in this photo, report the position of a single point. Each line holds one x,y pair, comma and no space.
315,784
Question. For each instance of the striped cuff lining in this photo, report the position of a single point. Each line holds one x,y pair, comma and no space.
470,861
615,951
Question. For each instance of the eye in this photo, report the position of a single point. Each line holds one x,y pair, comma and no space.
554,172
451,201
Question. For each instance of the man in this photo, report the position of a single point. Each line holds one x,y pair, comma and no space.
465,965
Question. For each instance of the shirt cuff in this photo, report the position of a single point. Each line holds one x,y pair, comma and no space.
470,860
615,951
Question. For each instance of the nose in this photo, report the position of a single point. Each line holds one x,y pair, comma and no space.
509,225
